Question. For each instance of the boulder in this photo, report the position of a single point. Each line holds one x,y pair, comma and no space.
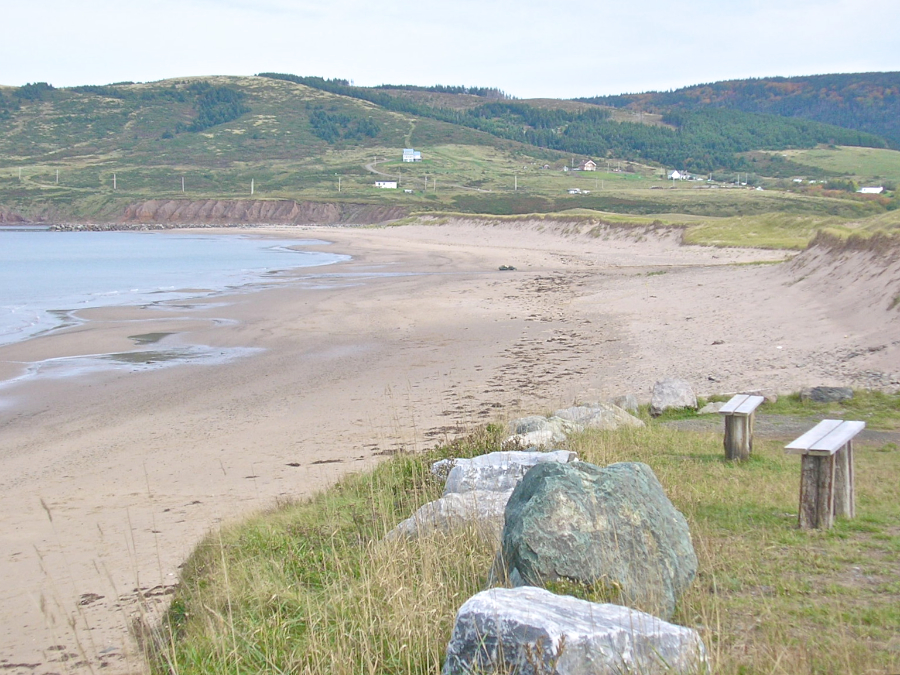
476,493
610,529
530,631
627,402
481,509
498,471
710,408
599,416
537,431
826,394
671,394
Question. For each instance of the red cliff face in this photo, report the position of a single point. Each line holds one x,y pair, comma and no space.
7,216
288,212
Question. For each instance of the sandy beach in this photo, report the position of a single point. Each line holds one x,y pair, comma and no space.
109,478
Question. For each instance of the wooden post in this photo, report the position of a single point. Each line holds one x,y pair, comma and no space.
738,436
844,493
816,492
739,413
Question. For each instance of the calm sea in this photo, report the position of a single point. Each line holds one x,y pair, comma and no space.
45,275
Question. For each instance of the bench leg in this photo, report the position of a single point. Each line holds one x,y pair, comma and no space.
817,492
738,437
844,493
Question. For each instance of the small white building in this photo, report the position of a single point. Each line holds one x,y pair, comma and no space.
675,175
411,155
588,165
871,190
386,184
574,191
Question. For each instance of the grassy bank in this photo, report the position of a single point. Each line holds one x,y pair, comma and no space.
311,588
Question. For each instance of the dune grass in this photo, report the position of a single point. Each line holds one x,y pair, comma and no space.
311,587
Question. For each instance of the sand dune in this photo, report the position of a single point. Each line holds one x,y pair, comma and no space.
108,479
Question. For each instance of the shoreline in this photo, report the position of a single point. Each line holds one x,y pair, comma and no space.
105,303
108,481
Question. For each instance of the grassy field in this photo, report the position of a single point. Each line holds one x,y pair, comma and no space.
866,165
312,588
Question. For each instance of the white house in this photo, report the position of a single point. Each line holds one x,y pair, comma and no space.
588,165
871,190
574,191
675,175
386,184
410,155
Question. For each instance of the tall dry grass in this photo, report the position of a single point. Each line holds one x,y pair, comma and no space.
312,587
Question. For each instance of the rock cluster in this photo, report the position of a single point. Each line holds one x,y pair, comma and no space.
607,532
475,493
536,431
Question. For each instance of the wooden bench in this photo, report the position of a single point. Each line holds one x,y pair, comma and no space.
739,414
826,472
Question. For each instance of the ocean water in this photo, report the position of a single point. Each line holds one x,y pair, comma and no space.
45,276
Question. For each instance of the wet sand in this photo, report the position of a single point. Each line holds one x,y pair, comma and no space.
109,478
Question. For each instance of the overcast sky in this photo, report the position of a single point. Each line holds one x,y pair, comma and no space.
528,48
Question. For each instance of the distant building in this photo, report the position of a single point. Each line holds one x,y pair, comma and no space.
410,155
588,165
386,184
871,190
574,191
675,175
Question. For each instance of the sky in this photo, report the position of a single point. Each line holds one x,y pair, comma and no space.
528,48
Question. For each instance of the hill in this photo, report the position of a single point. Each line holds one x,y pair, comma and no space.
701,141
868,102
100,153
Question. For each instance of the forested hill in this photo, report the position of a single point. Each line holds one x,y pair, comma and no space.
867,102
697,140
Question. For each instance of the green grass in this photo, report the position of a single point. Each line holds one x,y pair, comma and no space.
868,165
311,587
879,410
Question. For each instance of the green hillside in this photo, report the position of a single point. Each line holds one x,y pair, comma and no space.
868,102
700,141
86,153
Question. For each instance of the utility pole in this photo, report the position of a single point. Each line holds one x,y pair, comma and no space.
20,174
252,187
339,183
57,176
182,183
114,180
516,188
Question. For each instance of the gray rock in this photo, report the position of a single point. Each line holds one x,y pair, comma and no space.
710,408
671,394
826,394
627,402
498,471
610,528
530,631
599,416
537,431
480,509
